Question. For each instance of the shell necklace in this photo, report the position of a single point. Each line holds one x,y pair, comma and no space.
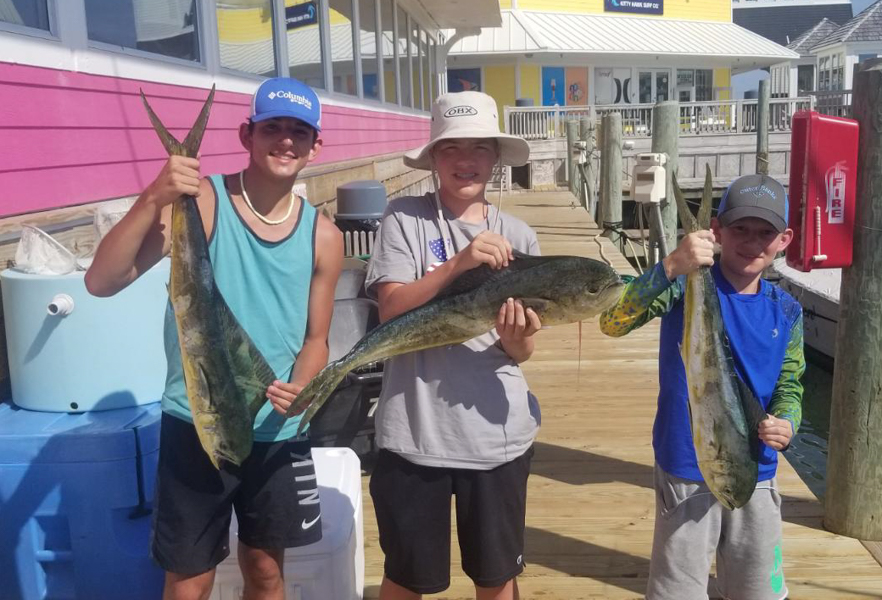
254,210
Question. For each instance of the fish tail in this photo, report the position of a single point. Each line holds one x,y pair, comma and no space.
707,199
685,214
190,145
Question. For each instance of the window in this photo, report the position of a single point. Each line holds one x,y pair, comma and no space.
166,27
805,79
342,50
245,35
416,60
839,72
367,25
387,40
305,54
405,51
433,76
29,13
704,85
823,73
426,76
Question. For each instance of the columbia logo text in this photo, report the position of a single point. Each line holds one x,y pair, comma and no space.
461,111
296,98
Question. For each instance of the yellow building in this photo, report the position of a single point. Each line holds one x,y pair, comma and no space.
609,52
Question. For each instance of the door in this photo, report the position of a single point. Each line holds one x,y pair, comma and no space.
654,85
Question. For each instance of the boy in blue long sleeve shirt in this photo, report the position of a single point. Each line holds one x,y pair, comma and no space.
764,327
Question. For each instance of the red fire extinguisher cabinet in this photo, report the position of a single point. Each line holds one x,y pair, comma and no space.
823,179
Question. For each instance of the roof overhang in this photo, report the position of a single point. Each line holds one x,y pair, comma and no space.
454,14
570,37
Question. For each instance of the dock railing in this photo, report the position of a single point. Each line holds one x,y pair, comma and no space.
835,103
696,118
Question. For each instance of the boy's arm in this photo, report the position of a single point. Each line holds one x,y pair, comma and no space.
643,299
516,325
313,355
786,402
142,237
395,298
655,292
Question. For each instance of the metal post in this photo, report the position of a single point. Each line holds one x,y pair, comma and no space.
762,128
665,140
854,479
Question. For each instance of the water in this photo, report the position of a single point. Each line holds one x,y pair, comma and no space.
808,450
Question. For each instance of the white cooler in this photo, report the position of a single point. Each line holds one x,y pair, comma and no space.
332,568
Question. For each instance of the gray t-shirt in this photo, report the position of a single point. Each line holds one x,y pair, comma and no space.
462,406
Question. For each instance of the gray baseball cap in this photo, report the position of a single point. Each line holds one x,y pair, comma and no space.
757,196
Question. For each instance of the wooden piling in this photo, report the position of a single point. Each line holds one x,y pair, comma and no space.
572,172
665,140
762,128
853,502
611,179
587,125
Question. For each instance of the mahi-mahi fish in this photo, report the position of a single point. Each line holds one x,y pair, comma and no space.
225,375
723,411
560,289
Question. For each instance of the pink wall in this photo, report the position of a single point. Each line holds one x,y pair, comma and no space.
70,138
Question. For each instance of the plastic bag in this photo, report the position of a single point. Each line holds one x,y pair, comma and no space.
41,254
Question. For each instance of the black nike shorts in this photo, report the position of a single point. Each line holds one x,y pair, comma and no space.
274,492
412,503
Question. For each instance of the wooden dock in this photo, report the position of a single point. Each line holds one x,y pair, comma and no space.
590,502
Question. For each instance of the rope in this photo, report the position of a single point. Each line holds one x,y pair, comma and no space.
616,228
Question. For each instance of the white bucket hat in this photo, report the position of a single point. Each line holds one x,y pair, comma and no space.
468,115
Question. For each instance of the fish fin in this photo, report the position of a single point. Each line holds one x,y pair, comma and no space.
194,138
539,305
205,383
473,278
251,372
686,218
470,280
754,413
753,410
190,145
707,199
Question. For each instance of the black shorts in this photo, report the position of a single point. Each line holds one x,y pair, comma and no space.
412,503
274,492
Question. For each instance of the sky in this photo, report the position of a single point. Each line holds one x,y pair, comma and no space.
750,81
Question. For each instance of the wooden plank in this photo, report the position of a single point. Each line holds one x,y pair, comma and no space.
590,502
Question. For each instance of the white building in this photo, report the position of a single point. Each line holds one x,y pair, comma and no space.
828,55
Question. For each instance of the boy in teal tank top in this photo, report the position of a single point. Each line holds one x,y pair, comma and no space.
276,263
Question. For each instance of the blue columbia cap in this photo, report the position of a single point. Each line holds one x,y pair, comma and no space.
757,196
286,97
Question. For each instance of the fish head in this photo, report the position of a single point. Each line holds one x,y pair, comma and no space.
587,287
729,484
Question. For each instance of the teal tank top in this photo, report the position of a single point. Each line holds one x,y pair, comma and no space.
266,285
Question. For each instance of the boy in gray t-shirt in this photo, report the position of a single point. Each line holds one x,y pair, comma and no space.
457,420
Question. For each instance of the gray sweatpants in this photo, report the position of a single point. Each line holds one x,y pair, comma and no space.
690,526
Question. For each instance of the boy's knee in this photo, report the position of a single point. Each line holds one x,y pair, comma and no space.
261,569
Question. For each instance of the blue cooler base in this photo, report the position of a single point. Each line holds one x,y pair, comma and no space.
75,504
